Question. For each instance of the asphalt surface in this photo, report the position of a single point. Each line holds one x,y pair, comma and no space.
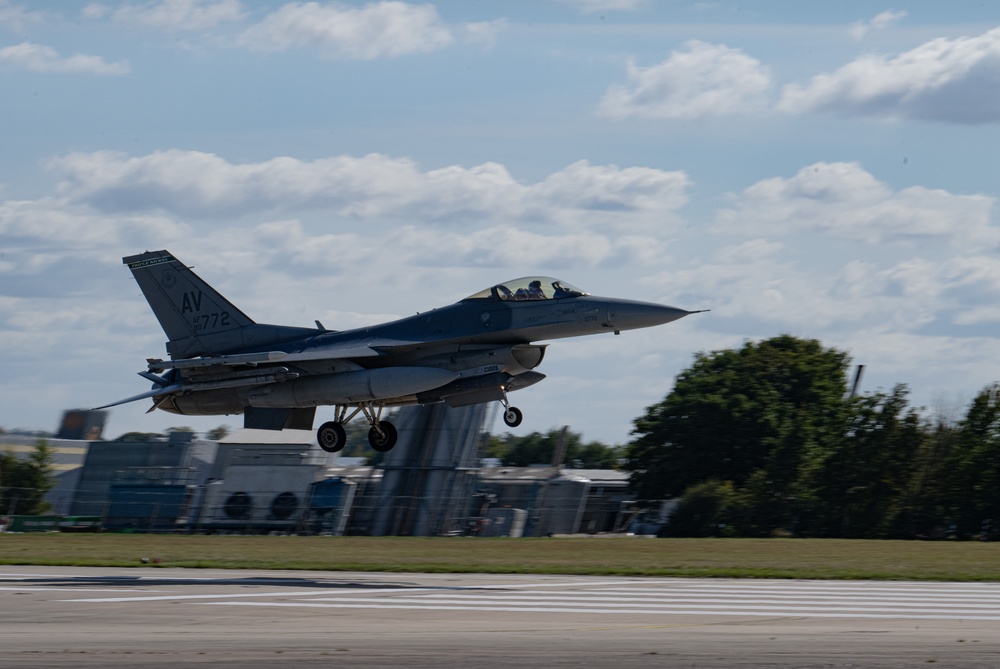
161,618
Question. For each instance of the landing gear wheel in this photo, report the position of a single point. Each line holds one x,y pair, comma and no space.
385,441
331,437
512,416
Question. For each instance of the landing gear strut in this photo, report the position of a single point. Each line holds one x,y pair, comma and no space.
512,416
382,436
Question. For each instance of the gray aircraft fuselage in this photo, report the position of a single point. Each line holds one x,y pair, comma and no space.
476,350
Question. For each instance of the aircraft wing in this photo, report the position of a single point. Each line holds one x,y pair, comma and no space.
251,377
365,349
368,348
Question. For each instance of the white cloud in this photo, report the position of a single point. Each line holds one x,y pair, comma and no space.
65,226
947,80
595,6
370,187
175,14
95,10
881,21
845,200
375,30
506,247
783,290
17,18
415,246
41,58
700,80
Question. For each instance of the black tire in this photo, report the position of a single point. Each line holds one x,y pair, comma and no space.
387,440
513,417
331,437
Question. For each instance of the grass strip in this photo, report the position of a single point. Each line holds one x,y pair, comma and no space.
618,556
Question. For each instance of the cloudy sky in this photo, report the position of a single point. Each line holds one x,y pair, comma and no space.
828,170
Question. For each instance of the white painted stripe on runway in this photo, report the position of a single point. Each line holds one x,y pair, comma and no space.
533,603
799,586
328,591
896,594
603,611
544,584
24,577
294,593
30,588
125,576
640,586
567,597
691,595
161,598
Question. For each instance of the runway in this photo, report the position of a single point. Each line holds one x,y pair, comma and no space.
63,617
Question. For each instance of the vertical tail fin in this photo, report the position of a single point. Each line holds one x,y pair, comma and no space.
196,318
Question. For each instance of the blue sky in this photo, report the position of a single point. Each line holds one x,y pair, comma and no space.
826,170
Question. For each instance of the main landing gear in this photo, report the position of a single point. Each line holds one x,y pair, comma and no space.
382,436
512,416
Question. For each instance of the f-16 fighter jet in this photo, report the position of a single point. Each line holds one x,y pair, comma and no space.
477,350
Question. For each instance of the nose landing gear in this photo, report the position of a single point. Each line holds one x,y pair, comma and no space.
512,416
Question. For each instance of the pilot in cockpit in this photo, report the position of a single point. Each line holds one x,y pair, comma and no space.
533,292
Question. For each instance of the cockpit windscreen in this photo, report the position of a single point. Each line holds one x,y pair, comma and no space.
529,288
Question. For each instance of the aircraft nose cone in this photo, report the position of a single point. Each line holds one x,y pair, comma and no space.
629,315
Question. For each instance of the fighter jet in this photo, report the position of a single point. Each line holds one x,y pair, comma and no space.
477,350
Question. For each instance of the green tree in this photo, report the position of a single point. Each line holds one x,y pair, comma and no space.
357,445
595,455
705,510
538,449
857,486
134,437
743,416
495,447
924,508
533,449
24,482
217,433
973,494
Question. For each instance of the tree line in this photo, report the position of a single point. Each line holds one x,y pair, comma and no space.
539,449
767,440
760,441
24,481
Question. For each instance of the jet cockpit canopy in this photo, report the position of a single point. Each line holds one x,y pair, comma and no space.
528,288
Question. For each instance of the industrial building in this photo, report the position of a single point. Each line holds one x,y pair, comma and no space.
262,481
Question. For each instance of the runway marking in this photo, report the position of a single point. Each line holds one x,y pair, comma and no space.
31,588
711,601
614,598
666,598
25,577
980,592
327,591
605,596
161,598
624,603
546,584
602,611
